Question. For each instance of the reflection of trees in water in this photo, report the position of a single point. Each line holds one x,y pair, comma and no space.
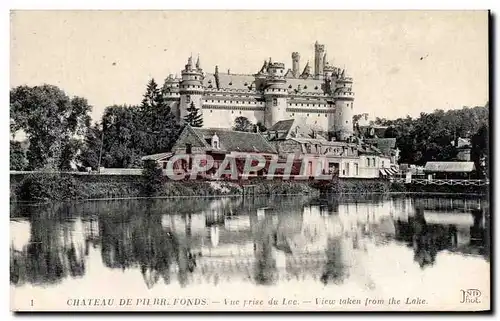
335,268
429,239
265,264
142,241
52,252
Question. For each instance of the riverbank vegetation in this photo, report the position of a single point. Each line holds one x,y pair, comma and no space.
432,136
42,187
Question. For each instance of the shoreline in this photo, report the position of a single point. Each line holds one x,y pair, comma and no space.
46,188
131,198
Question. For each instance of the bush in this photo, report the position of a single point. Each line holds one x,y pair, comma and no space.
152,179
49,186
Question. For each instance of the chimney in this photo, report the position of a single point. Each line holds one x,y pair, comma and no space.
295,64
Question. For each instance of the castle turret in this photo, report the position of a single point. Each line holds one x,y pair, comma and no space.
275,93
319,55
295,64
172,95
191,87
344,108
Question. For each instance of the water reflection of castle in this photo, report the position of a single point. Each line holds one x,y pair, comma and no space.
263,241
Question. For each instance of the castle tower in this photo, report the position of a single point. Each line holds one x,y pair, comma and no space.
275,94
344,109
296,64
191,87
171,94
319,55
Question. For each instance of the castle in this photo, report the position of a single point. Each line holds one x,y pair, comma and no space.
321,100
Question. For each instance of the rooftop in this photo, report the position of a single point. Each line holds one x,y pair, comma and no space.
236,141
449,167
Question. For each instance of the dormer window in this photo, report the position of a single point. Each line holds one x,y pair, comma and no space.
215,141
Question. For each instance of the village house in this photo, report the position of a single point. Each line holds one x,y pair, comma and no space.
351,158
449,170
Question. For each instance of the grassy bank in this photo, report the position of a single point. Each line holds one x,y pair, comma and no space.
41,187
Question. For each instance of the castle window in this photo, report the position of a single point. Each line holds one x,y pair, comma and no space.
307,115
188,99
318,115
316,87
275,102
346,121
305,87
230,84
232,111
293,114
290,86
245,84
195,77
210,110
326,115
240,112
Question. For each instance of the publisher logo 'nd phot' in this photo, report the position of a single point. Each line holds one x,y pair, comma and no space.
470,296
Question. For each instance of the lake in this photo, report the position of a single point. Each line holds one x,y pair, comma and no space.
316,250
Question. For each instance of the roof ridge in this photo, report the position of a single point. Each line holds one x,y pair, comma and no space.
196,134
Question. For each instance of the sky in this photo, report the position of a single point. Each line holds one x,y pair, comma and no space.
403,62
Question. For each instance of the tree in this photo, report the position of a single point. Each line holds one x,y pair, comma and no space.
193,117
242,124
18,161
157,125
153,179
480,150
89,156
430,136
49,118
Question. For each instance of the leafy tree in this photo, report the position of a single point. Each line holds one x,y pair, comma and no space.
430,136
130,132
242,124
18,161
193,117
89,156
49,118
480,150
69,154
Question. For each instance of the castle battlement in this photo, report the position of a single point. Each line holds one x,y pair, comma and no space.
321,98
